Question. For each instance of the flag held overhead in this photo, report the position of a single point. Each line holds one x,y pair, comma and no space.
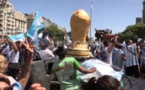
36,25
18,37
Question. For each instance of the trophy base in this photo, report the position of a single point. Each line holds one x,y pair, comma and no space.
78,53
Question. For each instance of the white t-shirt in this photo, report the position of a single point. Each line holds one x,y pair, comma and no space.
108,56
13,57
6,50
97,44
12,81
46,54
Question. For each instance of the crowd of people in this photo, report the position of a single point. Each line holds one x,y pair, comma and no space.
17,57
128,56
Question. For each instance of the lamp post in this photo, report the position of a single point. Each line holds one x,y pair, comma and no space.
91,11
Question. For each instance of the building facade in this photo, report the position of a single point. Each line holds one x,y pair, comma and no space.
138,20
29,18
143,12
6,18
11,22
46,21
20,22
14,22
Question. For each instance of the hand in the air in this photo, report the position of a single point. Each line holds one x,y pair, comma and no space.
28,46
36,86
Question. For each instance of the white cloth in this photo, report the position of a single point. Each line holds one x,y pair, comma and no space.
46,54
6,50
13,57
12,81
65,47
102,69
131,59
108,56
97,44
54,49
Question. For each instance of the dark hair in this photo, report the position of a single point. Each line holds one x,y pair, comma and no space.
127,41
17,42
80,59
45,33
103,83
118,46
13,69
61,52
55,44
106,43
87,38
29,40
6,80
91,85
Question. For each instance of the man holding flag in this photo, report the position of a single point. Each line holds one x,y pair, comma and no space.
32,33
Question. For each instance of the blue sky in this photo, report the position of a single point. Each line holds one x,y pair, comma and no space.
113,14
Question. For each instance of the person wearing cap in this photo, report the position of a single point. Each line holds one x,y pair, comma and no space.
65,70
132,62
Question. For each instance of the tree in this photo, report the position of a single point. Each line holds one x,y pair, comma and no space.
133,32
55,33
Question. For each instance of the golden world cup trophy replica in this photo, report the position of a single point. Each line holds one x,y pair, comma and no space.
80,25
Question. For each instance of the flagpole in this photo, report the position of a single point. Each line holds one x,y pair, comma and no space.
91,19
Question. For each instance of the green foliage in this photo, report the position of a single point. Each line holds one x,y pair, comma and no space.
55,32
133,32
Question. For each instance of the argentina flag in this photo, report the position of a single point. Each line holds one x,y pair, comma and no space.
36,25
102,69
18,37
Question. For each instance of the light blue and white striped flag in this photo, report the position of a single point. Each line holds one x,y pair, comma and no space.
102,69
18,37
35,27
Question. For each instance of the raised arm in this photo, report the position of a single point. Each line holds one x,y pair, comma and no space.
140,42
82,69
14,45
110,48
27,67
